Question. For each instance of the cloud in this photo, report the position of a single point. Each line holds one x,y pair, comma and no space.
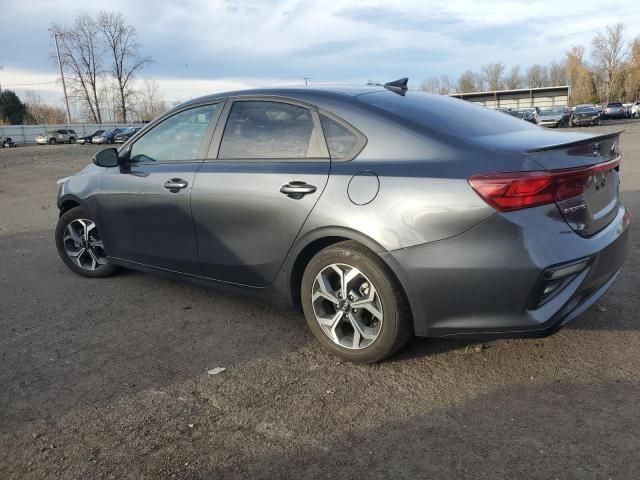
206,44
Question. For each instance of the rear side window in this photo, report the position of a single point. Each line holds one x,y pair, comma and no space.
449,115
257,129
340,140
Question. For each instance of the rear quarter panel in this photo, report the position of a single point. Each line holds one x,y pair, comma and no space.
423,191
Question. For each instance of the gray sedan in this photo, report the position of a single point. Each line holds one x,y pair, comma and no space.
379,212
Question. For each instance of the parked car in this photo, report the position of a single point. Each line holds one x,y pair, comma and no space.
585,115
6,142
52,137
381,212
126,135
107,136
89,138
635,110
552,116
614,110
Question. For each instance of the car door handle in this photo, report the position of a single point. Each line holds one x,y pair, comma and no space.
297,189
175,185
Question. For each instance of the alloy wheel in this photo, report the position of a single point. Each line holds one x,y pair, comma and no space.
347,306
83,245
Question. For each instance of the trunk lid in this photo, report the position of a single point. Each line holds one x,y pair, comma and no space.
591,159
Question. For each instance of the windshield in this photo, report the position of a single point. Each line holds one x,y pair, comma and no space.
552,111
586,110
450,115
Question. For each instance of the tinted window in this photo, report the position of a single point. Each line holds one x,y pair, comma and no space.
452,116
340,140
177,138
266,130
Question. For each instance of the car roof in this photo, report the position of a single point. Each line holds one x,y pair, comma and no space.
297,92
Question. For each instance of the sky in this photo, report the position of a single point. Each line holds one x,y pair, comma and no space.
202,47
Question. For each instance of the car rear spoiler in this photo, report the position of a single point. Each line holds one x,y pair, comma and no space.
594,138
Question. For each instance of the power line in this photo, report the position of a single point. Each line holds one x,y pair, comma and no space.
26,84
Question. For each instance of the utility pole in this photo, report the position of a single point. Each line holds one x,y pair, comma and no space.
1,68
64,86
306,80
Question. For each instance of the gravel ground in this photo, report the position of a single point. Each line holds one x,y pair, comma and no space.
108,378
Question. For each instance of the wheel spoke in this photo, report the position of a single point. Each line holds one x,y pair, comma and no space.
94,259
371,308
330,324
367,333
324,289
351,274
71,234
77,253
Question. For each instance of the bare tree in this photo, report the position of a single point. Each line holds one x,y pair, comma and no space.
537,76
609,53
492,75
469,82
442,85
513,80
121,42
81,53
39,112
150,102
557,74
431,85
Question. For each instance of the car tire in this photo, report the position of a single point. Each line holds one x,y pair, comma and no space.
372,337
90,248
72,140
52,141
108,141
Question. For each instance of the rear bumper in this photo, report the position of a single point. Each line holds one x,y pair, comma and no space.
480,283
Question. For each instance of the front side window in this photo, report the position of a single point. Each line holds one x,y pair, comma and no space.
257,129
340,140
176,139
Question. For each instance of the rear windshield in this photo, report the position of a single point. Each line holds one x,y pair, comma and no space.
451,115
586,110
614,105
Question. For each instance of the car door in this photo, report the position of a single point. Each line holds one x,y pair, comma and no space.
144,205
267,167
61,136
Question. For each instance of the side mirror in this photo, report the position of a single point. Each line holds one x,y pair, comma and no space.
106,158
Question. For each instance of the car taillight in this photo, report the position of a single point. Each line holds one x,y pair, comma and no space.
516,190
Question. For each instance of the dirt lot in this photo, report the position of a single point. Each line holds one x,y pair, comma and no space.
107,378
